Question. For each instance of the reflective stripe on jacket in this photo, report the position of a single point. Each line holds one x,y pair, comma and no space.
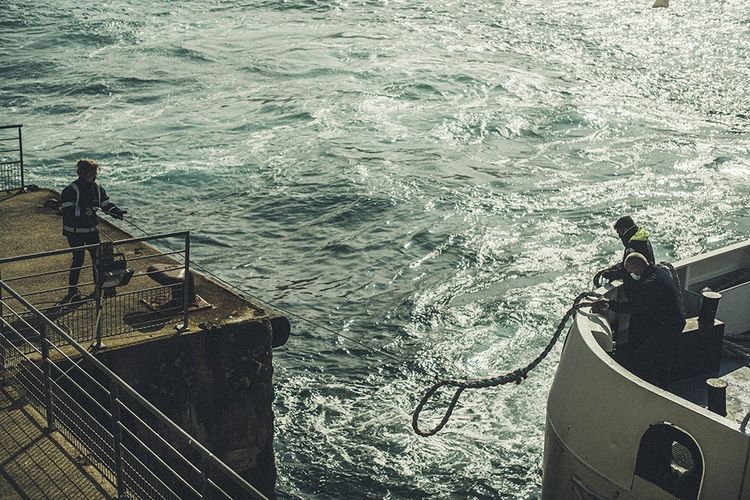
79,202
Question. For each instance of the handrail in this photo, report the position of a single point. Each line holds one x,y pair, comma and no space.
66,270
114,378
10,126
743,426
61,251
185,235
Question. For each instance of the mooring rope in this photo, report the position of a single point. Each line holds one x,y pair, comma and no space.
246,292
516,376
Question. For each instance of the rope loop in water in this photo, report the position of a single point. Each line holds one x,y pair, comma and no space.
516,376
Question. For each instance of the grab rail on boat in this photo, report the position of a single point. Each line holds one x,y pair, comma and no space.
745,420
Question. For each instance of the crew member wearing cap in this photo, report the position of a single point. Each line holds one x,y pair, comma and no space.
635,239
656,317
79,203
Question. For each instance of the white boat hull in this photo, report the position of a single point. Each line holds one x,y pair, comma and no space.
598,414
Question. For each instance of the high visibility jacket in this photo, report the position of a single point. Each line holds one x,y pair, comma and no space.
637,241
80,200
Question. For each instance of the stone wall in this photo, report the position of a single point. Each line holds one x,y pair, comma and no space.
216,383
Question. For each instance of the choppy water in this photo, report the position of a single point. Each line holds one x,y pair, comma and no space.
435,178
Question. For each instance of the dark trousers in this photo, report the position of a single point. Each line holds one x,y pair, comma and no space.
652,360
77,240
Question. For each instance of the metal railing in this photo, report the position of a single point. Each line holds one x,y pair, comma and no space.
137,448
11,158
142,305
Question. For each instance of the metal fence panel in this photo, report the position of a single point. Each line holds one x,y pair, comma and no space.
141,482
10,176
143,305
139,449
83,430
11,158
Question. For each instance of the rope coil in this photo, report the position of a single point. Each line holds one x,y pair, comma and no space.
516,376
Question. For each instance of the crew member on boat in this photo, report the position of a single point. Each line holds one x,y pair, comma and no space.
635,239
79,203
656,318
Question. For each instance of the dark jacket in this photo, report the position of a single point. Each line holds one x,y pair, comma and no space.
79,203
654,307
635,240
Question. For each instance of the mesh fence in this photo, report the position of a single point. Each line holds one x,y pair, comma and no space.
152,299
82,429
142,483
11,158
126,439
10,176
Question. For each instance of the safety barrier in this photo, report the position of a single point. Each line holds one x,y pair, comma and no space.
11,158
102,310
129,441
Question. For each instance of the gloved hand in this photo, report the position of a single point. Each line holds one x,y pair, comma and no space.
600,306
117,213
609,274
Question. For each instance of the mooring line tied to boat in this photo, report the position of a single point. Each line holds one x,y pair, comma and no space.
516,376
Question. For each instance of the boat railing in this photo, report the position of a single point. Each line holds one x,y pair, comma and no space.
134,446
11,158
118,292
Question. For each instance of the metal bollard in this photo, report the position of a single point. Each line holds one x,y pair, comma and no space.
716,391
709,305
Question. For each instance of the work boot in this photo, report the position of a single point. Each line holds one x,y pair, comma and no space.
73,296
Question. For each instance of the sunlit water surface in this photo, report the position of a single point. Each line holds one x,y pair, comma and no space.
436,179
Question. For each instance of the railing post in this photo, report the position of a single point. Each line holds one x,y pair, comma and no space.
114,405
20,154
98,326
2,312
2,330
46,378
99,292
205,492
186,283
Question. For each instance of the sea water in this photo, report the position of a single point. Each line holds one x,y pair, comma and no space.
429,182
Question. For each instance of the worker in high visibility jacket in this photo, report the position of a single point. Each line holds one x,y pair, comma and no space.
635,239
80,202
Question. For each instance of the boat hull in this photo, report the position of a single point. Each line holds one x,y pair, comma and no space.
601,420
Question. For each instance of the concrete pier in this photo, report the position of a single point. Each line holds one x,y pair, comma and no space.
214,380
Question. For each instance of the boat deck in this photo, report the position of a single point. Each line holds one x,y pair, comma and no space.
734,369
735,372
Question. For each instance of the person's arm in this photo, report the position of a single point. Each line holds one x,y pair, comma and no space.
68,202
109,207
616,272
